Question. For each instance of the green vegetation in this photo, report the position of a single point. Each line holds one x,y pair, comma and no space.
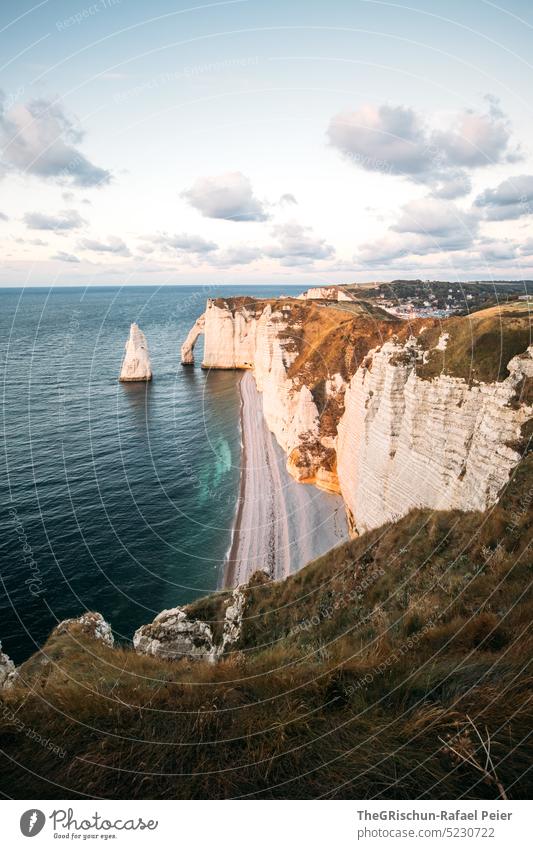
466,297
350,680
480,345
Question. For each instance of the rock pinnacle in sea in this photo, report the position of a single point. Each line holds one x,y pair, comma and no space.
136,365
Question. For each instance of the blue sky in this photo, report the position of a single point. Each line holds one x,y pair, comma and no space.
264,142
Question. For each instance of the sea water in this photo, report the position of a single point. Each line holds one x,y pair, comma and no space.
117,497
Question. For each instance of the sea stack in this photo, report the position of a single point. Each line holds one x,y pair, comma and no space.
136,365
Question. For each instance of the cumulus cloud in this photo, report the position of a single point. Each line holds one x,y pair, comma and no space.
475,140
68,219
526,248
424,226
511,199
439,220
39,138
287,199
37,242
65,257
454,184
395,140
498,250
114,245
237,255
182,243
229,196
297,244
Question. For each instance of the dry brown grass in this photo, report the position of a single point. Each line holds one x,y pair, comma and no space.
480,345
348,677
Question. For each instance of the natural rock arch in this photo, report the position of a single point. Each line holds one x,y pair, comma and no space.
187,349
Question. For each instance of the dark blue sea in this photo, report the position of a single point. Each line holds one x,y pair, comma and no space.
118,498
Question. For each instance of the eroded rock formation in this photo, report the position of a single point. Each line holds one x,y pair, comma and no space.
89,625
174,635
353,416
8,672
136,364
187,349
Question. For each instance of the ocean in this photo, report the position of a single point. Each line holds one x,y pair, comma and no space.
117,497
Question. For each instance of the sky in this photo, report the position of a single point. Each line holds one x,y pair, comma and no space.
257,142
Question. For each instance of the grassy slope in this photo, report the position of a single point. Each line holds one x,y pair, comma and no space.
480,345
348,675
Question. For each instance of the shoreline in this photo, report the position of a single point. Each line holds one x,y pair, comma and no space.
279,523
228,572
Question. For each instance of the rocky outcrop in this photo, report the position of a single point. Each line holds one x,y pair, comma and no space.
174,636
232,630
405,442
88,625
326,293
136,364
187,349
8,673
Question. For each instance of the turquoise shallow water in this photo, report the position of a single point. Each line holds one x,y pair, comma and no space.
117,498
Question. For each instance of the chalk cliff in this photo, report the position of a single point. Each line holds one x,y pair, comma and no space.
136,364
270,338
343,396
406,442
326,293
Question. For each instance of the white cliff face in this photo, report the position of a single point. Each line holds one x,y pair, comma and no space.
404,442
136,364
399,441
230,337
326,293
253,338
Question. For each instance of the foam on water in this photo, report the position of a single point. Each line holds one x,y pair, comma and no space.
117,497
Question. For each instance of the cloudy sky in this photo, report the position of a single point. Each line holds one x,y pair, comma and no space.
252,141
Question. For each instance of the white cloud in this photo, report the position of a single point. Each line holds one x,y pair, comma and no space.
287,199
395,140
296,242
440,219
181,242
237,255
37,242
65,257
229,196
68,219
39,138
424,226
475,140
511,199
498,250
114,245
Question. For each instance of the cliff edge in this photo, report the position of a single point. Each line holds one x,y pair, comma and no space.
393,414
